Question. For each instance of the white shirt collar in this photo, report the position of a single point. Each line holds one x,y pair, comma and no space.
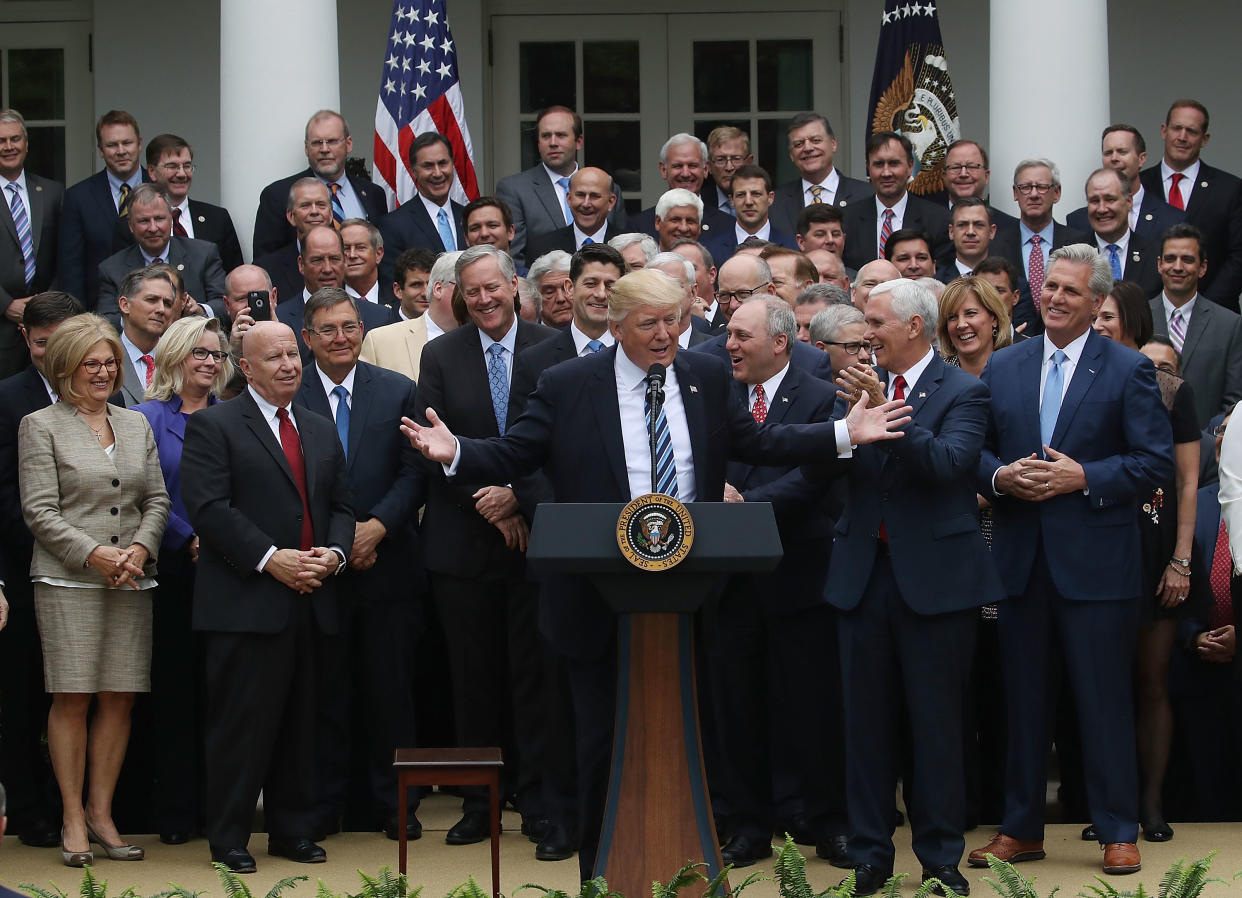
47,385
433,330
899,208
371,295
148,258
911,374
135,354
1123,247
268,410
553,176
763,233
770,386
830,185
1073,351
329,385
630,376
20,181
1187,309
508,341
600,236
581,339
1191,172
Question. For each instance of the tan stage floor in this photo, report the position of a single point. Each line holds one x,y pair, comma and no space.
1071,863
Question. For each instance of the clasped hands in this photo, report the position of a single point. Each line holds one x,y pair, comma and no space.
1036,479
117,566
302,571
872,417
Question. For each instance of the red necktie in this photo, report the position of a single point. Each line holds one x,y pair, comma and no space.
899,392
1175,192
178,227
292,445
886,231
760,407
1222,571
1035,270
150,363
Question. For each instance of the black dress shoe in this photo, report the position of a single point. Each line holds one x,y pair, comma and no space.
1158,831
557,845
536,828
836,851
800,829
40,834
868,880
302,851
950,877
237,860
413,829
1088,833
175,838
472,827
743,850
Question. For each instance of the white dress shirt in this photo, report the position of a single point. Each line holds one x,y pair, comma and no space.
1187,184
600,236
433,212
828,195
763,233
560,191
899,214
433,330
911,375
770,386
1137,203
1073,352
329,385
632,398
186,219
581,340
508,341
371,295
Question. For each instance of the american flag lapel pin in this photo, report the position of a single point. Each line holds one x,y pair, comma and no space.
693,388
922,395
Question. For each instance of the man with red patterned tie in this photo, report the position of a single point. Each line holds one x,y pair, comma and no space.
146,304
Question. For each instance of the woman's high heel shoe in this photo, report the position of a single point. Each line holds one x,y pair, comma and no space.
116,852
75,858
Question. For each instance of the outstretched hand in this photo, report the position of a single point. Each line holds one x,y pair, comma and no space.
435,442
870,424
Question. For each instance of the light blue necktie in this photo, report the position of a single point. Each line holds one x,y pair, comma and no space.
22,223
595,345
342,416
1114,259
563,183
446,232
1050,408
666,464
498,379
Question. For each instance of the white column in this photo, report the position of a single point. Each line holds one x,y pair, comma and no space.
1048,78
278,65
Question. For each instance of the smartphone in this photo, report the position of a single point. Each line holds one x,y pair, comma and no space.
260,305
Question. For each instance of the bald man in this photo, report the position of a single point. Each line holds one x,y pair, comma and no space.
591,202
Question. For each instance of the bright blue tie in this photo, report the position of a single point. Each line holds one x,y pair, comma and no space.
498,379
1114,260
446,232
666,464
594,345
22,223
563,183
587,241
1050,408
342,416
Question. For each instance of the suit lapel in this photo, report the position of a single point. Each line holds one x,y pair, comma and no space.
7,216
415,340
696,415
359,410
34,190
1084,375
1029,371
258,426
1200,321
1199,192
603,390
547,195
928,383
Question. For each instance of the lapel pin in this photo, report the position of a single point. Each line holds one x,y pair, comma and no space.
181,266
1136,257
693,388
38,188
201,218
1091,370
1203,183
1148,216
784,399
841,204
922,395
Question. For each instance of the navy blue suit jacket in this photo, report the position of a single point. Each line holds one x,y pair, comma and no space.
861,223
723,245
714,222
385,476
272,229
804,356
921,487
410,226
787,202
1114,424
373,315
1154,218
88,219
282,267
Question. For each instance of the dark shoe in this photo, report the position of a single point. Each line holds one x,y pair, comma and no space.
471,828
1121,857
1158,832
238,860
558,844
836,851
800,829
302,851
40,834
175,838
413,829
950,877
1088,833
536,828
868,880
744,850
324,827
1007,848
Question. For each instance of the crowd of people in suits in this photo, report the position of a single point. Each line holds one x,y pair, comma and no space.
990,442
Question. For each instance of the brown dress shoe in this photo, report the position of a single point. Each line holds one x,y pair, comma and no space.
1007,848
1121,857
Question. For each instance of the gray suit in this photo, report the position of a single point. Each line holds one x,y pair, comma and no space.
537,210
198,261
1211,355
133,385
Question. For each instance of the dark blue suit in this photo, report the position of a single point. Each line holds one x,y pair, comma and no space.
723,244
1071,564
907,625
289,311
804,357
272,229
410,226
1154,218
369,666
87,220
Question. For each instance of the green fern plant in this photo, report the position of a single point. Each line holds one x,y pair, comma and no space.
789,871
1106,889
469,889
591,888
176,891
1183,880
90,887
384,884
1009,883
235,886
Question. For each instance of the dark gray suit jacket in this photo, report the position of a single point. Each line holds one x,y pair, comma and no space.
788,203
198,261
537,210
1211,355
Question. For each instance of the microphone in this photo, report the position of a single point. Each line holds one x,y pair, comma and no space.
655,399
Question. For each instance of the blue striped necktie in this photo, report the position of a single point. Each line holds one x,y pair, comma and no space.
22,223
666,464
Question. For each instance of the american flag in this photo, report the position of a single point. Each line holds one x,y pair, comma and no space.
420,92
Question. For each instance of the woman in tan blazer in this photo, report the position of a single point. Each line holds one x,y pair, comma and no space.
93,497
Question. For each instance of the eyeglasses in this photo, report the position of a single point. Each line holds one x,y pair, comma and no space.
958,167
330,143
173,167
851,348
740,295
201,354
1028,189
732,161
330,332
92,366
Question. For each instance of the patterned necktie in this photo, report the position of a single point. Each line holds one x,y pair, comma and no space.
498,380
816,190
292,445
886,231
563,183
178,227
1177,329
150,363
1175,192
595,345
1222,571
1114,260
338,211
18,209
1035,270
446,232
342,416
759,408
122,206
666,464
1050,408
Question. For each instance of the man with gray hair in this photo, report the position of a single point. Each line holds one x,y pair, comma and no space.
678,216
399,347
550,273
1065,540
1036,189
813,300
907,586
637,249
683,166
840,331
693,330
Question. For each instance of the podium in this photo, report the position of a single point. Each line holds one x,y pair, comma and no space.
658,814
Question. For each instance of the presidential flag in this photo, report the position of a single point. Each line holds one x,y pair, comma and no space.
419,92
911,91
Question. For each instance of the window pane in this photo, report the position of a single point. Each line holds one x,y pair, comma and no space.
772,150
721,76
548,75
615,147
528,142
37,83
47,151
704,127
783,72
610,76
